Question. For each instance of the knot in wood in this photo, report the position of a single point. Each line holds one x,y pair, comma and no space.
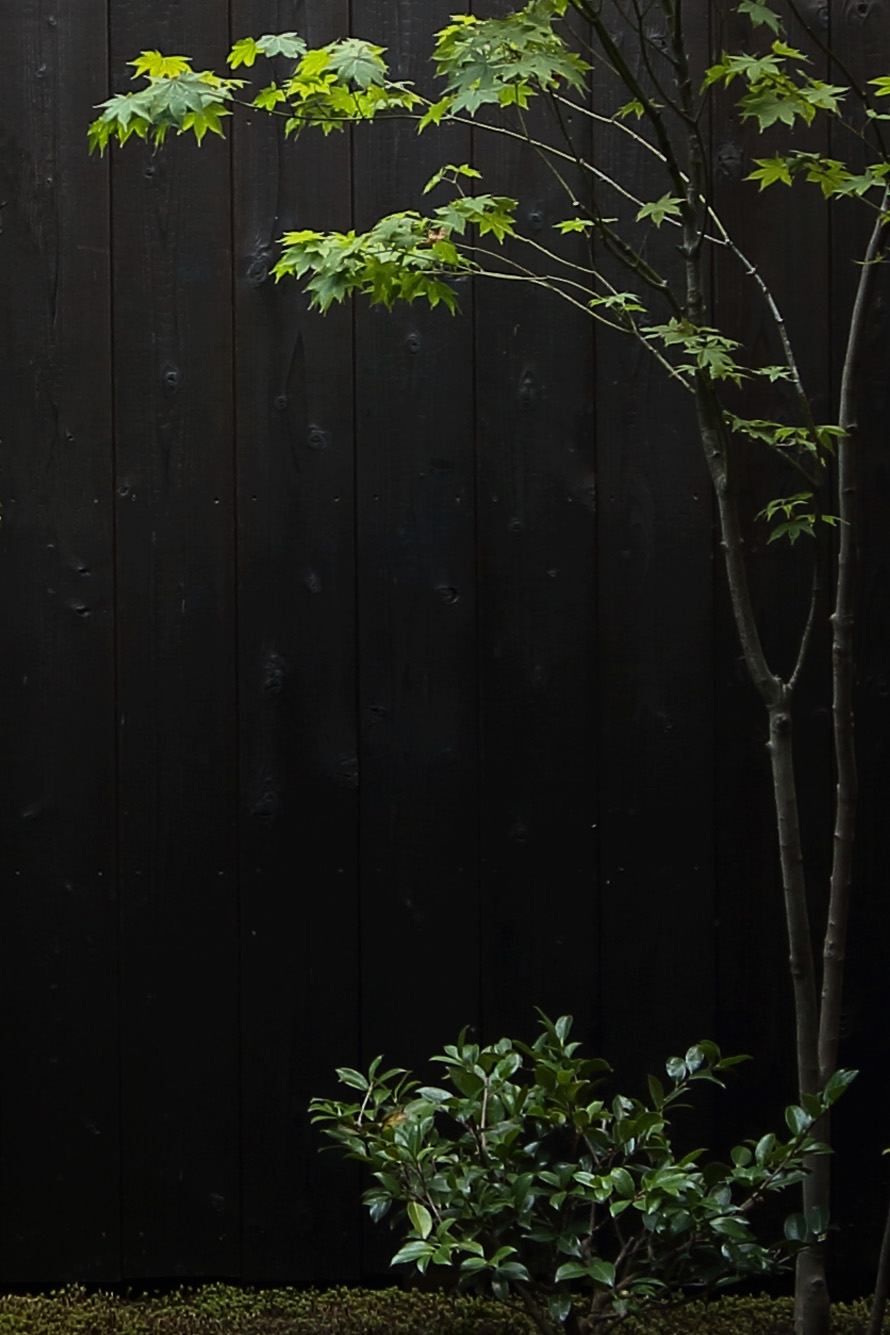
273,675
266,809
348,772
528,391
258,269
729,161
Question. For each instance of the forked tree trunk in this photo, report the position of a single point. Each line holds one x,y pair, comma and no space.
817,1016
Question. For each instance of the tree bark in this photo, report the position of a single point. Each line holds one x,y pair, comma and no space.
882,1284
842,622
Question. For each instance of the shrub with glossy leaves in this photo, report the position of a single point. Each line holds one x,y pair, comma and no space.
520,1175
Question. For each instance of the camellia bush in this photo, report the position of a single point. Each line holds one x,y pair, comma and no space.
522,1176
752,410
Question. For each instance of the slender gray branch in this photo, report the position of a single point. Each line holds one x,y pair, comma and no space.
842,621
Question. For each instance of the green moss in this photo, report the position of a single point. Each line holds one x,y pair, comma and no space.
224,1310
220,1309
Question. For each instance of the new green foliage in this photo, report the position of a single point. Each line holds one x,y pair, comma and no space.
502,64
525,1173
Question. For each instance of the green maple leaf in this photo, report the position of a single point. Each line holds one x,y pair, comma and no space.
770,170
287,44
450,173
435,113
268,98
829,174
760,13
206,119
860,185
824,96
244,52
659,209
357,62
774,373
772,105
156,66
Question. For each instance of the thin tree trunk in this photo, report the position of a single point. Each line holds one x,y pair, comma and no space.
834,948
800,950
817,1019
811,1315
882,1284
812,1311
812,1302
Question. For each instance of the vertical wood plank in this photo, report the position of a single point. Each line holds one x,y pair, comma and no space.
299,774
176,656
656,662
537,621
416,605
58,921
415,495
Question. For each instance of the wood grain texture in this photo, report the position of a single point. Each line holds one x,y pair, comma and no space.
299,766
656,694
537,489
416,613
416,606
59,1148
176,681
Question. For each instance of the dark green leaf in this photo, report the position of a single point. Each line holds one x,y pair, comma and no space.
559,1305
798,1120
818,1218
421,1218
354,1079
731,1228
434,1094
570,1270
796,1228
840,1081
624,1183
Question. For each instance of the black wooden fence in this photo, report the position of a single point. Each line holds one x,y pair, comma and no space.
367,676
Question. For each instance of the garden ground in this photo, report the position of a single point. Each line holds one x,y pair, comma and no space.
220,1309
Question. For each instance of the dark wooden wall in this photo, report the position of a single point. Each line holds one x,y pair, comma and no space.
368,676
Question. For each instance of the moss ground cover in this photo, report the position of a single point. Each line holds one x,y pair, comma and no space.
220,1309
